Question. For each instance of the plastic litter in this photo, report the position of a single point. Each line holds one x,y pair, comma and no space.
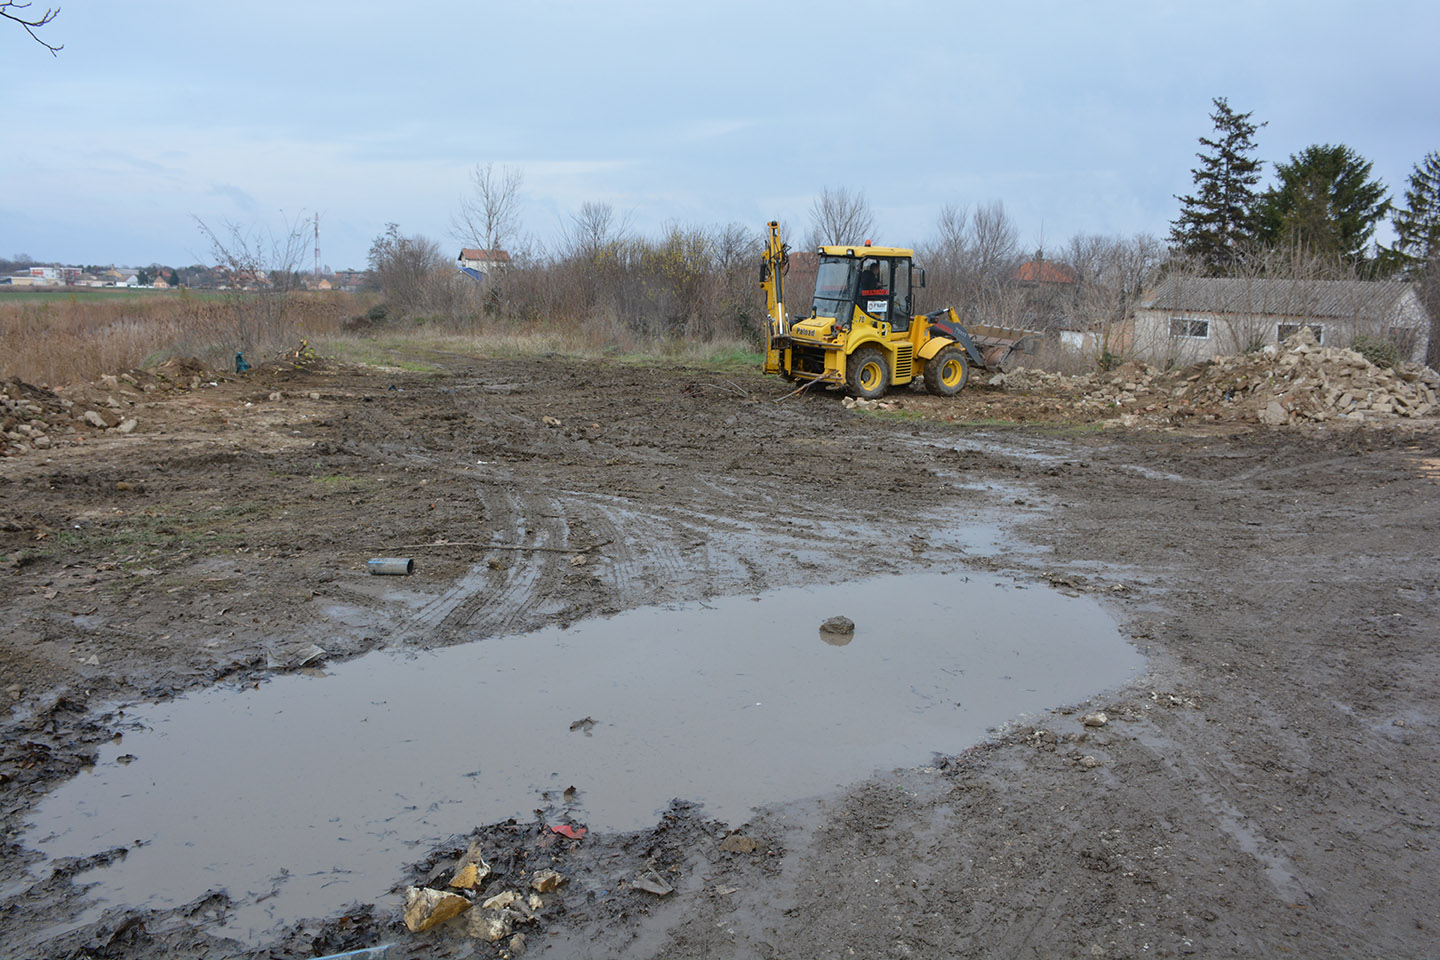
363,952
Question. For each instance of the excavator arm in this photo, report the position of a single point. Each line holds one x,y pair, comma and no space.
772,280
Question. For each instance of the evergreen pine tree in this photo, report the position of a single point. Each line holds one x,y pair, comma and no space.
1324,200
1217,221
1417,223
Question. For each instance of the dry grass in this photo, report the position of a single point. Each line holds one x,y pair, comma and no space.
57,341
65,340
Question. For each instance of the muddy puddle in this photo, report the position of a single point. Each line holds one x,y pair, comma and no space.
309,793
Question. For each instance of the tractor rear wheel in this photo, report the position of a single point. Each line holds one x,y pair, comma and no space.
867,375
946,373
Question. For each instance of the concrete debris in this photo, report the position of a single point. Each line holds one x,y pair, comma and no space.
860,403
545,881
470,870
653,884
490,927
35,418
1285,384
424,908
1095,719
501,900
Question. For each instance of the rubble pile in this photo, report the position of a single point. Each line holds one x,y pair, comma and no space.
1029,378
32,418
1300,380
37,418
1297,381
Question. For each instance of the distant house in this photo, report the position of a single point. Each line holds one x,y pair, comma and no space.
1186,319
1048,294
1040,271
482,264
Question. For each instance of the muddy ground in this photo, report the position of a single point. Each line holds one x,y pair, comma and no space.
1268,788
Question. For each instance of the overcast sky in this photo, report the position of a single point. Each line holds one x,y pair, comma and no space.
1080,117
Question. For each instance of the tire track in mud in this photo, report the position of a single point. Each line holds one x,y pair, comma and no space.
477,604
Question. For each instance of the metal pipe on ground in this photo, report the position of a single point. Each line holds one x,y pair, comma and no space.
392,566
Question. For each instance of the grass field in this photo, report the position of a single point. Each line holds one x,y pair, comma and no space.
9,294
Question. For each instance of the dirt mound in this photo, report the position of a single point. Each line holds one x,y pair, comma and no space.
32,418
186,372
36,418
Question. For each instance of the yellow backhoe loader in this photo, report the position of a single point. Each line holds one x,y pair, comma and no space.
861,333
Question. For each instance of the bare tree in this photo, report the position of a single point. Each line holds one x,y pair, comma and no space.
996,239
491,214
10,10
594,228
838,216
1111,273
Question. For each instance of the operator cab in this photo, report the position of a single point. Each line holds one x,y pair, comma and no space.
864,284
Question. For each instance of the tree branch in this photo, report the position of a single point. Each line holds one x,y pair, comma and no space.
7,8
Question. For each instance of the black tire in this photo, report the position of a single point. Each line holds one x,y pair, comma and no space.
867,373
946,373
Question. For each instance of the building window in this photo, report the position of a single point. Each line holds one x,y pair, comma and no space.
1186,327
1284,331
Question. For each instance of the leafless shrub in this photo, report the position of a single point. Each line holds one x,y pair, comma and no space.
261,266
406,268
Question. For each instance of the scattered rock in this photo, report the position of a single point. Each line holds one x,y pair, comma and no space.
550,421
838,625
517,944
1088,762
735,843
653,884
545,881
470,870
424,908
501,900
1095,719
490,927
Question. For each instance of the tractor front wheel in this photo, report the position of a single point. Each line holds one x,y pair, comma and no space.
947,372
867,375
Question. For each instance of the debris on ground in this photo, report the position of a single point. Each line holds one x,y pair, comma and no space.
838,625
566,830
424,907
545,881
471,869
1281,384
652,883
1095,719
860,403
735,843
294,656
